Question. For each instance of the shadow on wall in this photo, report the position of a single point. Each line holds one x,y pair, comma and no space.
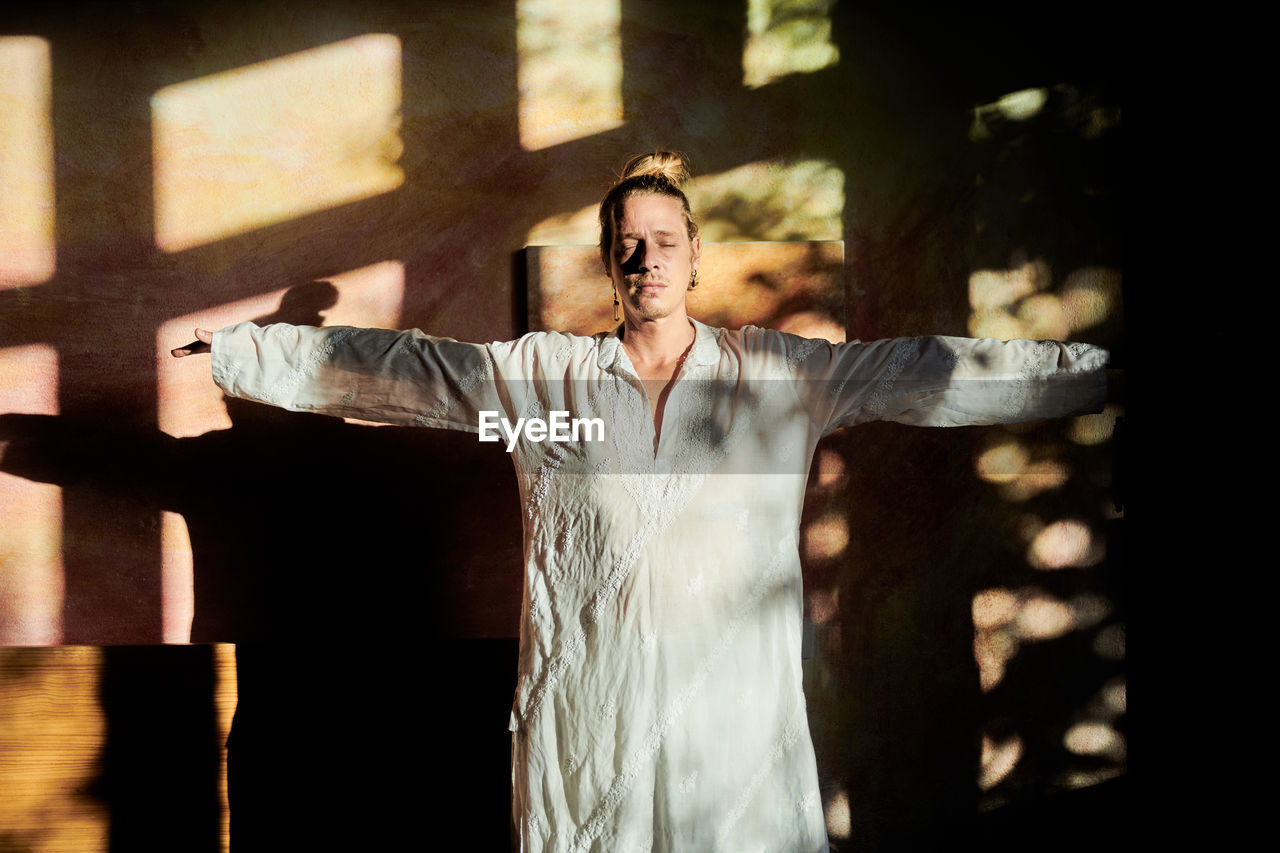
333,555
348,559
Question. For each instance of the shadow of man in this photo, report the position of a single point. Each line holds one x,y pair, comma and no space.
342,560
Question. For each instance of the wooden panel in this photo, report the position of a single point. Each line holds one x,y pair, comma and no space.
60,786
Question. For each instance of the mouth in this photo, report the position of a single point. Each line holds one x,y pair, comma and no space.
647,286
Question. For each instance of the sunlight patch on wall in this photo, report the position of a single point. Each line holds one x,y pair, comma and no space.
570,70
1095,429
770,201
177,579
824,604
1015,106
765,201
31,571
270,142
1097,735
839,816
1021,302
27,253
1007,464
786,37
1094,739
833,472
1006,619
1061,544
826,538
190,404
998,760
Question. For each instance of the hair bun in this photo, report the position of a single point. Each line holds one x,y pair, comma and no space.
667,165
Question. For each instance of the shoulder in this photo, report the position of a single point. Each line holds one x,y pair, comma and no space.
546,353
755,341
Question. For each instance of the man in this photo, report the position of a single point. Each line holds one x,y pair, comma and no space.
659,704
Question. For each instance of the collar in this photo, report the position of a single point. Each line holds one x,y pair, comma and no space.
706,347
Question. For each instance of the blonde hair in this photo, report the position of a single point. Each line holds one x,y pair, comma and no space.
659,173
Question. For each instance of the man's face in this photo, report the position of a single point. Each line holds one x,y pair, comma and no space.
653,257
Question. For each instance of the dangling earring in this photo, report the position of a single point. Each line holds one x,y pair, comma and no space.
616,303
693,280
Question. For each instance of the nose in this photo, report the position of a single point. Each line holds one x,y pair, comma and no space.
648,258
641,260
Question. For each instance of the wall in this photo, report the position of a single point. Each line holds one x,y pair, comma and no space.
169,165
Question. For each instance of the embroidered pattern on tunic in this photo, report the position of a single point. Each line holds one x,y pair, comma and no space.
446,402
571,647
801,351
785,741
1018,391
903,352
585,543
552,462
284,390
653,740
568,536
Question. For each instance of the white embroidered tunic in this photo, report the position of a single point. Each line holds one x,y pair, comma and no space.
659,704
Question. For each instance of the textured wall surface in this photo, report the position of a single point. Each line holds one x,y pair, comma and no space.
168,165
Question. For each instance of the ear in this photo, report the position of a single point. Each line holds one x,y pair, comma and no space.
697,249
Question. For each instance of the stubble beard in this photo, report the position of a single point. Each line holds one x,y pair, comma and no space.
648,307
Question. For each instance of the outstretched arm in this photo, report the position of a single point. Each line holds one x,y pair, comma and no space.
407,378
948,381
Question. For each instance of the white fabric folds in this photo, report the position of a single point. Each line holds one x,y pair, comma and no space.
659,704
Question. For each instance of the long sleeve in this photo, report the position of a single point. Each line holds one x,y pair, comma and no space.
946,381
406,378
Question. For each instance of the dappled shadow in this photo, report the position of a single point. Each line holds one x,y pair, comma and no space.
281,509
334,556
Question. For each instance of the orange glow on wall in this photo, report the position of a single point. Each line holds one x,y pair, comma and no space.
1066,543
786,37
1022,302
270,142
52,731
31,573
570,72
998,760
826,538
177,579
190,404
27,253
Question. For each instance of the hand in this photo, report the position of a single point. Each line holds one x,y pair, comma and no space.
202,343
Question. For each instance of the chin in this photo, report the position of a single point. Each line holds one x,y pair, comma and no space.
652,311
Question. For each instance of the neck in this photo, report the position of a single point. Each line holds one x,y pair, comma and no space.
658,341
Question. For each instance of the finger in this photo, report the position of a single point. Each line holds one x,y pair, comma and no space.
202,343
190,349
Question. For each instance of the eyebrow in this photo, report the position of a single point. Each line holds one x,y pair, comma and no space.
633,235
